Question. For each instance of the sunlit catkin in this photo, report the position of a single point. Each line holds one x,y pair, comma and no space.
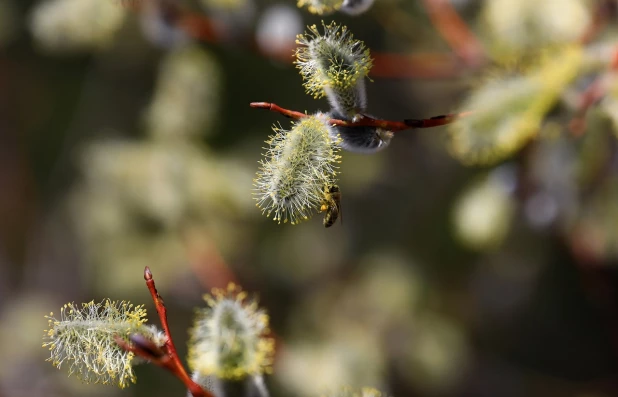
83,338
228,339
298,164
507,111
335,65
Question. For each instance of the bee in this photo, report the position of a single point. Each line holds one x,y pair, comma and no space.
331,204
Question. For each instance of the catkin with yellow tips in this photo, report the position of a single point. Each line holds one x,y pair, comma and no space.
83,339
298,164
334,65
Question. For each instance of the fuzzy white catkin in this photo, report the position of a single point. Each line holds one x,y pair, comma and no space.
335,65
298,164
83,340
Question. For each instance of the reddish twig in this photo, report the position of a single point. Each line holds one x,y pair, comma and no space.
367,121
166,356
423,65
206,261
592,95
175,366
604,10
455,31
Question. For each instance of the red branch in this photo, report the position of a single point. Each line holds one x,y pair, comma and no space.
421,65
455,31
165,357
604,10
367,121
592,95
176,365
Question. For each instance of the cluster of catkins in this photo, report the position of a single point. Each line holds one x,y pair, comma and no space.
229,340
229,351
299,172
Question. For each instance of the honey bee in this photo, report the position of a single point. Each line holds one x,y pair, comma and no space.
331,204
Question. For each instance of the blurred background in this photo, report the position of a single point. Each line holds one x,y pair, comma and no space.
126,140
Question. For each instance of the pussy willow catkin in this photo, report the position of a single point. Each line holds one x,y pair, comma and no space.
334,65
298,164
83,340
228,339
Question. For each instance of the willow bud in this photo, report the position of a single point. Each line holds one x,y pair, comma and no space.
298,164
334,65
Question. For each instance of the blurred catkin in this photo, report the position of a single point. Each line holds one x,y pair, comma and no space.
76,25
228,339
187,95
517,27
483,213
321,7
508,110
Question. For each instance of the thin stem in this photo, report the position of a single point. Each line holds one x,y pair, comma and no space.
592,95
420,65
367,121
604,10
175,365
163,361
455,31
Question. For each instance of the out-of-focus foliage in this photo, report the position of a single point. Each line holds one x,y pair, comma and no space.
484,211
517,27
186,100
76,25
139,202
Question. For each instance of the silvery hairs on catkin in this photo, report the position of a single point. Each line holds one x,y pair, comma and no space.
298,164
365,139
